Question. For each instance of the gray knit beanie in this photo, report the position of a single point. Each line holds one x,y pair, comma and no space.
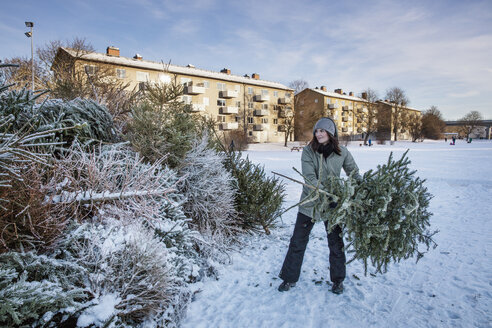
326,124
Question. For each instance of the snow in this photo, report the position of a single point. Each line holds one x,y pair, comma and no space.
451,286
99,313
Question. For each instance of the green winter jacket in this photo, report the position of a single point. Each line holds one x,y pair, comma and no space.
331,166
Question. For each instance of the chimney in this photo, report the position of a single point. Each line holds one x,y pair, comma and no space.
138,57
113,51
255,76
226,71
246,75
323,88
339,91
351,93
364,95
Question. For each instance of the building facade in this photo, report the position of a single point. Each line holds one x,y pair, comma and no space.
351,115
244,103
346,110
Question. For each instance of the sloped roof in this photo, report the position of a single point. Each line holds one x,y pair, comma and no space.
337,95
391,104
146,64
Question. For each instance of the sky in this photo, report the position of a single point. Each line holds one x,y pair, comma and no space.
439,52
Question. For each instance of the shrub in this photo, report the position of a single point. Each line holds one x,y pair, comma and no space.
39,291
258,198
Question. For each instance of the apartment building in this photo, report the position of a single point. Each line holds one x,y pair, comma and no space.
346,110
255,106
386,111
349,113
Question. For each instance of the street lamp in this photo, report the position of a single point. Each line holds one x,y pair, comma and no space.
29,35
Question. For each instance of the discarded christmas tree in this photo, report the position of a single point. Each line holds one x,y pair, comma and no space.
384,215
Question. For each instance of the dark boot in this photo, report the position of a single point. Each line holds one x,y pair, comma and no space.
285,286
337,288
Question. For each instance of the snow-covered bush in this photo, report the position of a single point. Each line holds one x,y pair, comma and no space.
39,291
259,198
126,260
208,188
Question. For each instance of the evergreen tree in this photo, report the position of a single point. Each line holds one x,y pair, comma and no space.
259,198
384,215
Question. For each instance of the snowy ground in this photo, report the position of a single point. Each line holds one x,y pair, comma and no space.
450,287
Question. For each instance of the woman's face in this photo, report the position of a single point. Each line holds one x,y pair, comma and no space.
322,136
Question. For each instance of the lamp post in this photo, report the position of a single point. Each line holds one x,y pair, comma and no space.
29,35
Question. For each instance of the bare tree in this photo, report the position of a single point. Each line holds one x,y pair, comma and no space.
432,123
396,96
470,121
369,116
298,86
414,125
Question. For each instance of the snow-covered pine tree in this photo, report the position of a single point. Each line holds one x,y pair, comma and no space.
39,291
384,215
259,198
208,188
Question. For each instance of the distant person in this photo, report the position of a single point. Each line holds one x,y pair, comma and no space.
454,140
323,151
370,142
445,139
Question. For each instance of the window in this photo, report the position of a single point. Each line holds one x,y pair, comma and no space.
264,92
250,105
142,76
187,99
316,100
264,106
120,73
238,118
264,120
221,86
238,104
185,81
250,90
90,69
221,102
206,101
221,118
164,78
250,119
275,121
287,95
275,93
206,84
250,133
343,102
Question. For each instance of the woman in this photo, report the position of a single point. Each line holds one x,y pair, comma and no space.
323,150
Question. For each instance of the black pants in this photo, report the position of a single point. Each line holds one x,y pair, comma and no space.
291,269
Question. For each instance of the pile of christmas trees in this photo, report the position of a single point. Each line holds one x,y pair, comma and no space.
384,215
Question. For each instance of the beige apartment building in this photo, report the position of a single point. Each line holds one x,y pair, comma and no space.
255,106
349,112
346,110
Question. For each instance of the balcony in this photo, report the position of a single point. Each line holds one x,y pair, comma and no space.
344,119
229,94
197,107
284,101
260,112
229,110
229,126
195,89
281,128
345,108
344,129
283,113
332,106
262,98
259,127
